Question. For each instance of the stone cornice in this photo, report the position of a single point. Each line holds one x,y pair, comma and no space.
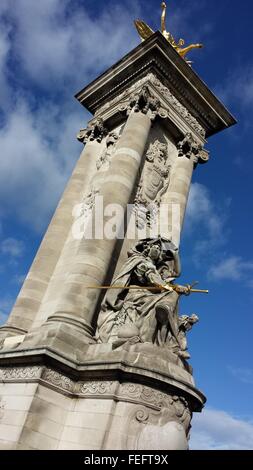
170,109
47,367
156,55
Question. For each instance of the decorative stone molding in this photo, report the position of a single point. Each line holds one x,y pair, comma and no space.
94,131
145,102
20,373
152,427
175,408
97,388
164,91
189,148
59,380
125,391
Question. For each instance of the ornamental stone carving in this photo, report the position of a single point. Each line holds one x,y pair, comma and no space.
177,105
143,315
189,148
153,184
94,131
13,373
172,408
164,428
57,379
96,388
145,102
164,91
105,159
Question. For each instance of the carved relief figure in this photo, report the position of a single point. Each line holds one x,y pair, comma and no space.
153,184
130,312
105,159
171,330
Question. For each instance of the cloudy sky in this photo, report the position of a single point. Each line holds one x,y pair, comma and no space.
49,50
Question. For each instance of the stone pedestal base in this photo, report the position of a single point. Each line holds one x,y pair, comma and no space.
48,402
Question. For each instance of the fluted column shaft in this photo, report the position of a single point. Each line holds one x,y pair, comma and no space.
177,196
37,281
92,257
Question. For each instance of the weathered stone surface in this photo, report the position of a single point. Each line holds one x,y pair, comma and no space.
130,387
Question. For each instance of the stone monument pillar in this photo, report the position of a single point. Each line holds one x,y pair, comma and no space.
94,354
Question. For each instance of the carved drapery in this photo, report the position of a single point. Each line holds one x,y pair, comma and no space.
154,183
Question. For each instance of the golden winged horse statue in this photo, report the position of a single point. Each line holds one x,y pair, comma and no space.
145,32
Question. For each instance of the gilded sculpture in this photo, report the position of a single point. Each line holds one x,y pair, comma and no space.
145,32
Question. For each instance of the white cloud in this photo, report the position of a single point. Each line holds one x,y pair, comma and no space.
57,45
33,169
57,40
205,220
201,210
244,375
12,247
238,87
4,51
231,268
218,430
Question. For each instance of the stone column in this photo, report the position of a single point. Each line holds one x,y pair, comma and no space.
190,153
33,290
93,257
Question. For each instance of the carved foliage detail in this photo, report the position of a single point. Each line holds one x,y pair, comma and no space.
143,101
94,131
189,148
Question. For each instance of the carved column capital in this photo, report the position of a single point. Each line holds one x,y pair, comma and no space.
144,102
95,130
189,148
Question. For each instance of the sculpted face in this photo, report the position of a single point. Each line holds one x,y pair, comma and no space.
154,252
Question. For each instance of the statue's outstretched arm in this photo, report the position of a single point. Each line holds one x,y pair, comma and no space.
185,50
163,17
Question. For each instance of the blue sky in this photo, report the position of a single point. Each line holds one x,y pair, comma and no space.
49,50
